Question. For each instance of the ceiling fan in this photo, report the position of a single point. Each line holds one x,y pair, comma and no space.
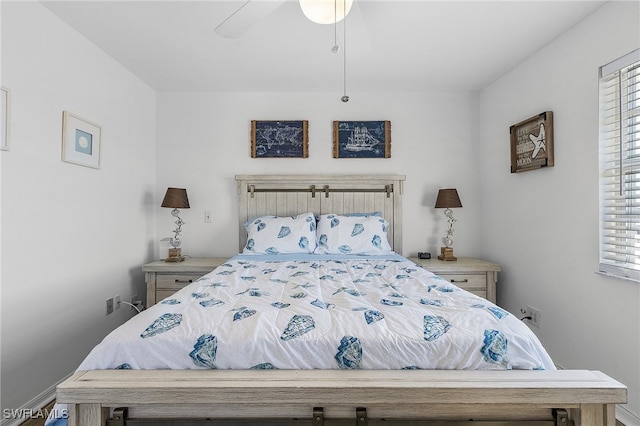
328,12
319,11
249,12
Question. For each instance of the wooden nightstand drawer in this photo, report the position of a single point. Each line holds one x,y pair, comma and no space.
467,281
163,294
481,293
165,278
174,281
474,283
474,275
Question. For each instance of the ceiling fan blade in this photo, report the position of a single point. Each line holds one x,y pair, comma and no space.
247,15
358,40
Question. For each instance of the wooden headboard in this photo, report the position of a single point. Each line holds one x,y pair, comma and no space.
286,195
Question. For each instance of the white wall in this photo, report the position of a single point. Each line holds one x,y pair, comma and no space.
543,225
72,236
203,142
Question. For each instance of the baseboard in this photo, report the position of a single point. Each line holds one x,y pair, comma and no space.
626,417
33,408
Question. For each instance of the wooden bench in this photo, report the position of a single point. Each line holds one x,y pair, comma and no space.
588,396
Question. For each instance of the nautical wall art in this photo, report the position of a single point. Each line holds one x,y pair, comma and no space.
279,139
81,141
532,143
361,139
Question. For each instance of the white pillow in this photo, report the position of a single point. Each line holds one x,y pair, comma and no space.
280,235
342,234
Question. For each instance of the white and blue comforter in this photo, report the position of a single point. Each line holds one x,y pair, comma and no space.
321,312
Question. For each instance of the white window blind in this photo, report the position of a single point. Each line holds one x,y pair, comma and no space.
620,167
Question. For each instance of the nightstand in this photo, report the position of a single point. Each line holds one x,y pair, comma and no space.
165,278
474,275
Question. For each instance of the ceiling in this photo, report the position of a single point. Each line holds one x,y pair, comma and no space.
392,45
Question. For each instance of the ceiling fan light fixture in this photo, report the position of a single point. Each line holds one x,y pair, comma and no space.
326,11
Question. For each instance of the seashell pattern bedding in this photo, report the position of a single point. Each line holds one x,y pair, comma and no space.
321,312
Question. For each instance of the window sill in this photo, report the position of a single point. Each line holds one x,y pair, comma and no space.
622,277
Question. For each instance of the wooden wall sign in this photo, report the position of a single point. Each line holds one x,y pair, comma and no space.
532,143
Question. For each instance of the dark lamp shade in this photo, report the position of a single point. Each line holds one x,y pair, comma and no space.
448,198
176,198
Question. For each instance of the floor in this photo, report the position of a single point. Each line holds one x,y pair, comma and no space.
39,422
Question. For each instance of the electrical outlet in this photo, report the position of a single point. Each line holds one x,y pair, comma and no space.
116,300
536,316
133,301
109,306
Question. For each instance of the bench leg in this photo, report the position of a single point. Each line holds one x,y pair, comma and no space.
597,414
87,415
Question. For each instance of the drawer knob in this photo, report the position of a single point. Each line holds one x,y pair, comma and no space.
460,281
183,281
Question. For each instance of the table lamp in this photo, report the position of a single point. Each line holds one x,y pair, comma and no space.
176,198
448,199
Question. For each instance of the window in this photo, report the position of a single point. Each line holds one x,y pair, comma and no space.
620,167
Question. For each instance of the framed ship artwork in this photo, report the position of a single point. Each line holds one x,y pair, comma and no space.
279,139
532,143
361,139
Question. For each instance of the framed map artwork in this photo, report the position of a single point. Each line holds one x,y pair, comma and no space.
532,143
279,139
361,139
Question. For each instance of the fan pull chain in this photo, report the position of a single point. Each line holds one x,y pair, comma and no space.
344,97
335,47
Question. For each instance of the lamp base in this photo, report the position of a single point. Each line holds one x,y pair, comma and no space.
175,255
446,253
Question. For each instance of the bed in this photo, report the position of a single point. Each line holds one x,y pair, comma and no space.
320,319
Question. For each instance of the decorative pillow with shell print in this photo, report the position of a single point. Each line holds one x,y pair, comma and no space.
345,234
281,235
